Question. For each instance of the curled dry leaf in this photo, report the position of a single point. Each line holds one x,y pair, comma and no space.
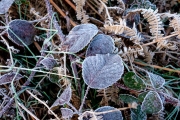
21,31
66,113
5,5
80,36
101,44
49,63
101,71
7,78
111,115
64,97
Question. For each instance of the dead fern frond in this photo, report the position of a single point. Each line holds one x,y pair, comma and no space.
156,26
148,54
101,7
175,23
131,52
109,94
154,21
124,30
81,13
166,44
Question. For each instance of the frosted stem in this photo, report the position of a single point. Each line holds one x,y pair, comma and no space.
85,95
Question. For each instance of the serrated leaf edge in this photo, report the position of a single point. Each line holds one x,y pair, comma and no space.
158,98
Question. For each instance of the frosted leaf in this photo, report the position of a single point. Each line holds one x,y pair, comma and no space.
111,115
48,62
7,78
21,31
156,80
64,97
152,103
128,98
54,78
141,96
138,114
66,113
80,36
5,5
101,71
101,44
131,80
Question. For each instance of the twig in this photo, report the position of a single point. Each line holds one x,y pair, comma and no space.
61,12
160,39
156,66
28,69
94,10
29,112
43,104
71,4
10,53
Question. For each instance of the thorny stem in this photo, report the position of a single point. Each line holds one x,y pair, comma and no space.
76,111
155,66
32,73
55,23
170,99
83,101
6,107
75,73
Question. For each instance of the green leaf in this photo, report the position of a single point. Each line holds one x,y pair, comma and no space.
138,114
141,96
152,103
132,81
53,77
128,98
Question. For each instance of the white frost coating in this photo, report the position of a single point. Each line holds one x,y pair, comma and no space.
101,71
152,103
156,80
5,5
101,44
80,36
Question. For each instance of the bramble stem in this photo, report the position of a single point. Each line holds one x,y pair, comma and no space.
85,95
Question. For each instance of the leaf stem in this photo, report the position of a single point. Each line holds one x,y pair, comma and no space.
80,109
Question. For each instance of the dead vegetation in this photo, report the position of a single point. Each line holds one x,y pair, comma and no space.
51,52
